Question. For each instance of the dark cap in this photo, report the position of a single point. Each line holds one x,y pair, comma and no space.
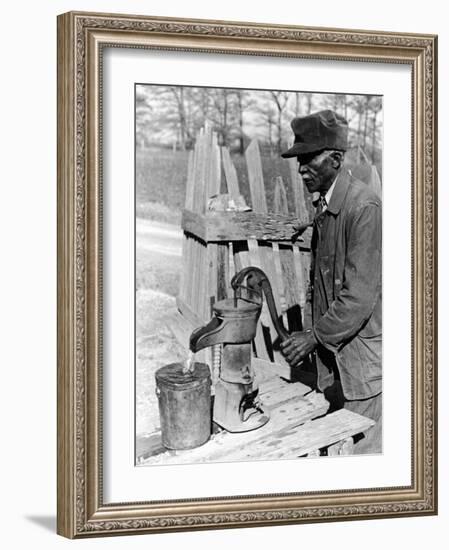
318,131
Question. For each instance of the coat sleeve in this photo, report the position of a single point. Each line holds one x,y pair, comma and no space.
362,279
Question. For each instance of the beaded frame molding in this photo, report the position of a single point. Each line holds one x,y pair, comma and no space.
81,39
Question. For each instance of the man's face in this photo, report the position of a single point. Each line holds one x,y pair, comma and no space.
318,171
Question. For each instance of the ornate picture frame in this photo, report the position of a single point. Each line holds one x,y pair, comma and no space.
82,39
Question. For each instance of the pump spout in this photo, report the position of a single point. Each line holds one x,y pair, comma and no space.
207,335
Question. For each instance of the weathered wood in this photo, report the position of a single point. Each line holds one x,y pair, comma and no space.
280,369
198,186
223,446
301,276
298,191
212,268
230,173
269,267
255,177
289,275
238,226
214,175
280,197
210,234
189,267
194,272
318,434
182,328
223,282
184,275
190,315
305,266
190,180
149,445
202,281
342,448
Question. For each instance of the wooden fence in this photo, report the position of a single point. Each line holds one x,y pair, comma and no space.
220,239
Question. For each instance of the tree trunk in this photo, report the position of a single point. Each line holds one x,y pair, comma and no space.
373,136
240,112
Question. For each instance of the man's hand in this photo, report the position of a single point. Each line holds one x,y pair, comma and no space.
297,346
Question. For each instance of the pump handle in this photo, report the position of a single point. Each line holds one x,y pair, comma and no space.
257,280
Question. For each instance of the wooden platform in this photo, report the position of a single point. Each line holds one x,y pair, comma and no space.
298,426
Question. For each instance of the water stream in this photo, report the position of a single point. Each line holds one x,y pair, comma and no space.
189,364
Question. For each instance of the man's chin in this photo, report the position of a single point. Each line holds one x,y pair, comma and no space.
310,187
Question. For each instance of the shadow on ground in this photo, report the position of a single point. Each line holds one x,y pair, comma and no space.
46,522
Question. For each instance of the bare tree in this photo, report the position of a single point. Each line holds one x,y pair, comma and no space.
280,100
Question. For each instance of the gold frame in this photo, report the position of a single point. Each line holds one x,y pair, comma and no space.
81,37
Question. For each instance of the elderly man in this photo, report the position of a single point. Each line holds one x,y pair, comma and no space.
346,274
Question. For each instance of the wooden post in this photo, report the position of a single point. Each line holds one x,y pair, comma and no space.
298,191
280,197
255,177
230,174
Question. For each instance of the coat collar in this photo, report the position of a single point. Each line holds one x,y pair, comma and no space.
339,192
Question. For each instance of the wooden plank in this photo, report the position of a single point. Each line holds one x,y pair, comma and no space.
305,267
267,258
214,175
189,269
181,328
225,446
281,394
291,283
194,276
149,445
230,173
212,267
190,180
255,177
201,280
197,170
298,191
280,197
185,284
223,282
190,315
342,448
318,434
301,276
275,367
184,272
239,226
200,175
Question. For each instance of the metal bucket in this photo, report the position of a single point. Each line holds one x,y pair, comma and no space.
184,405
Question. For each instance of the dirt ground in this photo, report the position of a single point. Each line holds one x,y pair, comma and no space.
158,264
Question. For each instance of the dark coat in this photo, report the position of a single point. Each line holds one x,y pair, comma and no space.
347,289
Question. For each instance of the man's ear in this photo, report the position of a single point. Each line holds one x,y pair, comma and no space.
337,159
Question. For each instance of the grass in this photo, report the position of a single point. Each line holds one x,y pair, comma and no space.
157,273
160,184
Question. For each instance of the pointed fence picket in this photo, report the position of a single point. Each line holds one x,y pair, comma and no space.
218,242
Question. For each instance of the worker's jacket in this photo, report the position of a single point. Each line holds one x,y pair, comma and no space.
347,288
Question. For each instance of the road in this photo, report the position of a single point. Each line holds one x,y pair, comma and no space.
158,237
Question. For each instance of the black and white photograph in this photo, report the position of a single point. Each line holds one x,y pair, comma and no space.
258,274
